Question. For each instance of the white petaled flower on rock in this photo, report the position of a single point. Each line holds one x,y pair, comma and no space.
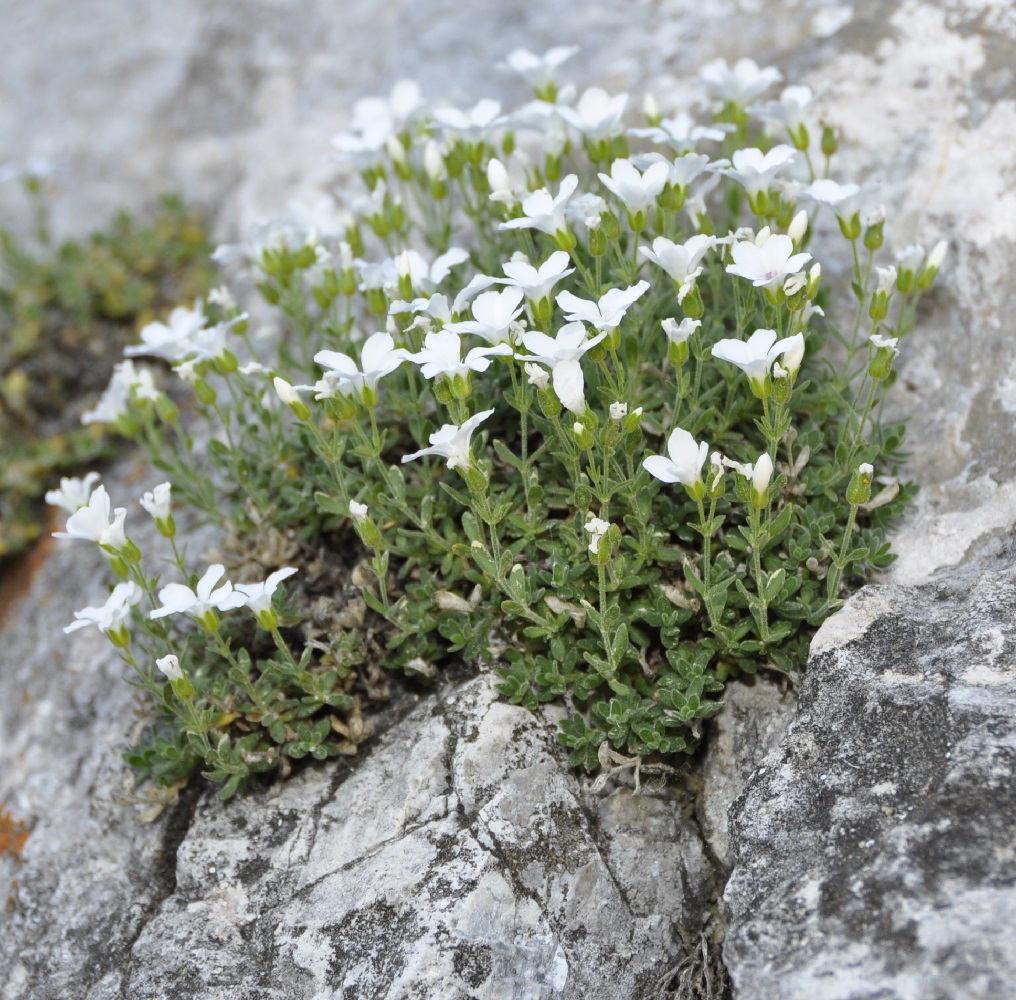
451,442
173,341
637,192
493,315
563,354
605,314
536,283
680,260
158,502
769,265
546,213
756,355
680,172
74,493
93,523
755,170
258,596
684,464
474,125
442,355
846,200
597,529
111,616
127,383
681,133
597,114
739,84
788,111
203,601
378,357
539,71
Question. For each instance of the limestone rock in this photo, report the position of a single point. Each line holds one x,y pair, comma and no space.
876,851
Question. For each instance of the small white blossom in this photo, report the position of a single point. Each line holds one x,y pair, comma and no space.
681,133
493,315
474,125
767,266
680,260
543,212
535,375
536,283
761,475
442,355
638,192
112,615
563,354
680,172
618,411
755,170
158,502
884,343
451,442
358,512
127,382
74,493
92,522
886,279
788,111
180,600
684,464
605,314
678,333
756,355
170,666
173,341
378,357
597,115
539,71
597,529
740,84
498,179
258,596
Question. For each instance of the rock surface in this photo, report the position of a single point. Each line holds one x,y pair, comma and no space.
876,848
499,847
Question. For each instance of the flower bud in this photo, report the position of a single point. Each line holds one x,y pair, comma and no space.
798,227
881,362
859,490
291,398
632,422
610,225
205,393
550,405
583,435
814,280
932,265
830,140
475,479
762,474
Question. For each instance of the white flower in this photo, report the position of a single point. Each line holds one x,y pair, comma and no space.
537,283
442,355
474,125
636,191
174,341
112,615
761,475
755,170
378,357
618,411
681,133
452,442
597,115
684,464
563,353
358,512
742,84
493,314
793,353
937,256
158,502
607,313
884,343
788,111
258,596
73,493
535,375
93,524
866,469
886,279
127,382
910,258
768,265
289,393
680,172
538,71
597,529
679,260
846,200
678,333
170,666
500,183
543,212
180,600
756,355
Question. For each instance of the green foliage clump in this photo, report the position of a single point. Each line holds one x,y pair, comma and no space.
611,451
66,313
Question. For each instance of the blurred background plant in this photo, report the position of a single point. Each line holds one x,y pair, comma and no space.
66,313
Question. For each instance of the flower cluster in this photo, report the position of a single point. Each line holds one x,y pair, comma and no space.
595,445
